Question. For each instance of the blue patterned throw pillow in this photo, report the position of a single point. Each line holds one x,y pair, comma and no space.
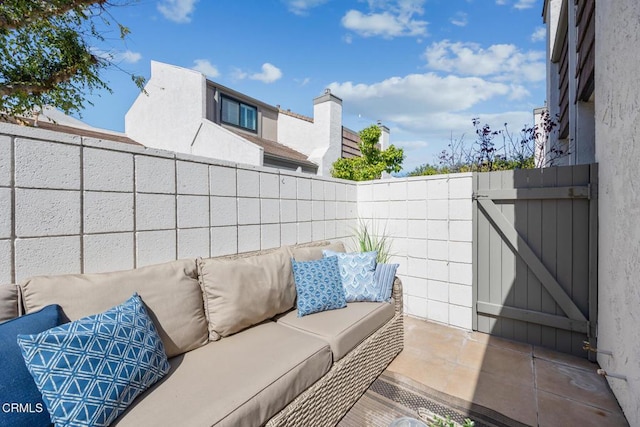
318,285
357,273
21,401
91,369
385,275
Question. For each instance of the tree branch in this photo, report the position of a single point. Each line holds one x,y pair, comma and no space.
45,10
44,85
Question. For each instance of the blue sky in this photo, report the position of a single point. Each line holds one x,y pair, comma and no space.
425,68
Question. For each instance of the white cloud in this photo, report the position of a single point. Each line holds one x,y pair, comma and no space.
411,145
426,136
460,19
270,73
525,4
408,99
383,24
118,57
446,126
500,61
438,129
206,68
129,56
539,34
177,10
238,74
301,7
303,82
387,19
518,92
520,4
426,111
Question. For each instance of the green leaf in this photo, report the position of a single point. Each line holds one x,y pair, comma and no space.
124,31
373,161
48,56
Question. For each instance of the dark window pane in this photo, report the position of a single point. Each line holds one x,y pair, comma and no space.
247,117
230,112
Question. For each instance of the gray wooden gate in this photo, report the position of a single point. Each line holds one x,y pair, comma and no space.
535,256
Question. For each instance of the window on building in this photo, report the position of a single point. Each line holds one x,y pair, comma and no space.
239,114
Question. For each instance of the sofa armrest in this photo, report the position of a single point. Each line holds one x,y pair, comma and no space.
397,295
10,303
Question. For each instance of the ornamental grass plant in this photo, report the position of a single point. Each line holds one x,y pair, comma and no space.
369,238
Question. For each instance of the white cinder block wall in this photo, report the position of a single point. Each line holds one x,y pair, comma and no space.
429,219
80,205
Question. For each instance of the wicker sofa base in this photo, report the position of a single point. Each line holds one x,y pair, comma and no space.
329,399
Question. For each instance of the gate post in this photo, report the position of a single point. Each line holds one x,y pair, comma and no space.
593,260
474,251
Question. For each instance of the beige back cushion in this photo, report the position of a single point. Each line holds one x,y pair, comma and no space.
314,251
9,302
241,292
170,291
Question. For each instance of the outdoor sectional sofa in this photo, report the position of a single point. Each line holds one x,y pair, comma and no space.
238,353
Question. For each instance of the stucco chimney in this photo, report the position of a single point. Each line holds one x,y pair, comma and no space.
385,136
327,123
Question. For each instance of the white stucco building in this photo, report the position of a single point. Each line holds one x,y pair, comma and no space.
183,111
593,85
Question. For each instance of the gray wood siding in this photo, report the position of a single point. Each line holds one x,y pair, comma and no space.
535,239
586,40
563,87
350,141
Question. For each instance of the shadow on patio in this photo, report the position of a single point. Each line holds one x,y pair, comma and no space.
528,384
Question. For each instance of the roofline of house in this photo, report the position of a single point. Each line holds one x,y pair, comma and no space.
289,160
349,130
296,115
241,95
275,108
85,131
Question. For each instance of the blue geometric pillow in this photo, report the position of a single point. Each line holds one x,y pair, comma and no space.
318,285
357,270
385,275
91,369
21,400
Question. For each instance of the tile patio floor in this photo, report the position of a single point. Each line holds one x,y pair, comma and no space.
533,385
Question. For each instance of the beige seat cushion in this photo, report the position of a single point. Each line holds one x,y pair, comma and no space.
242,292
170,291
313,251
242,380
8,302
345,328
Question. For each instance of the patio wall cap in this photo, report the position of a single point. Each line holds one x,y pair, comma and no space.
107,144
205,160
155,152
418,178
14,130
264,169
316,177
295,173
